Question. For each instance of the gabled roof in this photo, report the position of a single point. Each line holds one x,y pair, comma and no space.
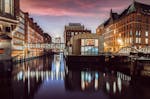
143,8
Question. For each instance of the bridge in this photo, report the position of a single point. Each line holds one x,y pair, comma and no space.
54,46
61,46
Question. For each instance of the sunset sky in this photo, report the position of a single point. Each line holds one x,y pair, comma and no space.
52,15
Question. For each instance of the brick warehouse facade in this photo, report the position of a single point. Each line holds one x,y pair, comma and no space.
131,28
20,28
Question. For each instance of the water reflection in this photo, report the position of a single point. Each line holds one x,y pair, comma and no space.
95,81
48,77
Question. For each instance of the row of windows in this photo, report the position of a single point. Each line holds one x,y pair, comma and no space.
134,17
138,33
18,42
74,33
138,40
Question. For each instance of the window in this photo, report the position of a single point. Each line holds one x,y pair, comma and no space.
76,33
130,32
146,40
7,29
139,33
131,40
72,33
7,6
89,46
146,33
137,40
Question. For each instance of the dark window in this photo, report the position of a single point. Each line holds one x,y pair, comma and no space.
7,29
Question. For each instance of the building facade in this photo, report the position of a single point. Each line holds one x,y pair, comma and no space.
9,9
85,44
131,28
34,35
18,37
74,29
19,30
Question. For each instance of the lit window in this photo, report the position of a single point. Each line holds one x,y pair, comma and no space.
130,40
72,33
146,33
7,6
139,33
146,40
130,32
137,40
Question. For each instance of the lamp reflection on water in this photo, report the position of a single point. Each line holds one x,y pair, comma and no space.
88,79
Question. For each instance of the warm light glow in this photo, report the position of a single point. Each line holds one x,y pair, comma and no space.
120,41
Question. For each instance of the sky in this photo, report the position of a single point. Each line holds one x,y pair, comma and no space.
53,15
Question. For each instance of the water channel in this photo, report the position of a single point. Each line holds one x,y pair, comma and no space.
49,78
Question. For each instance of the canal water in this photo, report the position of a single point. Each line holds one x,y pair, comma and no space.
49,78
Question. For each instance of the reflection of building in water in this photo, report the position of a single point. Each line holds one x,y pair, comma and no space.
42,68
13,89
94,81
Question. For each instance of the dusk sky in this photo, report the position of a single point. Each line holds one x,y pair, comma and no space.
52,15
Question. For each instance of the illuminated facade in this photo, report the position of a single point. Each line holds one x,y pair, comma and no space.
85,44
9,10
74,29
18,37
34,35
89,46
131,28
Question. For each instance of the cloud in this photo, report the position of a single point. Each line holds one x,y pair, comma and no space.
52,15
71,7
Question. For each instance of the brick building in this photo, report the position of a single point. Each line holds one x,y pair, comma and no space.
21,29
74,29
34,35
131,28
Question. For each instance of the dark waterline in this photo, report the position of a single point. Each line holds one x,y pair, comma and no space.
49,78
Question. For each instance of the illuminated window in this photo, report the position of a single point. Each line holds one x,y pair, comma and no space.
72,33
89,46
7,6
146,33
76,33
146,40
139,40
130,32
130,40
